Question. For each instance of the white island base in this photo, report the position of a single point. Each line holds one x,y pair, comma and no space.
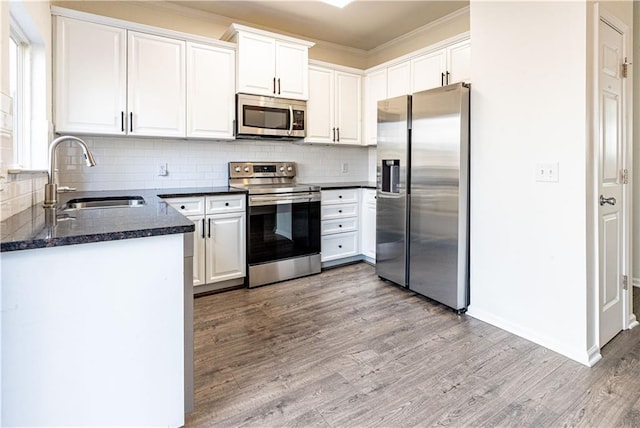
93,334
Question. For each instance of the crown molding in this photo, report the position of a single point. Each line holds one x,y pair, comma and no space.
438,22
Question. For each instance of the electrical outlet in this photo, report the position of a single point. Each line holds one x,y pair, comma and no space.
162,170
345,167
547,172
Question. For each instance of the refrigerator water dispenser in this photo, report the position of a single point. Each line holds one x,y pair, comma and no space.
391,175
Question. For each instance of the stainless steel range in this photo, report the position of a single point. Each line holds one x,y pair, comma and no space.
283,221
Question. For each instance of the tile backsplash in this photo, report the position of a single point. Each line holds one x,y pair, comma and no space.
130,163
20,191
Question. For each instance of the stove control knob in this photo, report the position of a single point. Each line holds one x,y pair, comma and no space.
237,169
281,169
289,168
246,169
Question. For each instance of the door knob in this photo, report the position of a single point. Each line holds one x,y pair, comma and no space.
610,201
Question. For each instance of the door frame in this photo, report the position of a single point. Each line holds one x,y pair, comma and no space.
593,274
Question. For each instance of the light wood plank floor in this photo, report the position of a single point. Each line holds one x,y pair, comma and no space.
344,349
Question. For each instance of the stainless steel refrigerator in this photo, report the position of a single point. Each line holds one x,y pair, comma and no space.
422,236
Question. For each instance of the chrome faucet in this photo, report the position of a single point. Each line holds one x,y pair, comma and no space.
51,188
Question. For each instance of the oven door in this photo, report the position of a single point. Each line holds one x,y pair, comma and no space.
269,117
283,227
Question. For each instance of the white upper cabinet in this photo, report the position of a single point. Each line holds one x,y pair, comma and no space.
429,70
443,67
157,85
399,82
270,64
459,62
90,78
210,91
375,90
320,107
348,101
116,81
334,106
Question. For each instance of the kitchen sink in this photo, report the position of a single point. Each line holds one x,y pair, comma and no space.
105,202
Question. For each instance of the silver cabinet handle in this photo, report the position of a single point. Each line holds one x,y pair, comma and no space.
610,201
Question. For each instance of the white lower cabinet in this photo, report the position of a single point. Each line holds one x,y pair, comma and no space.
339,224
368,224
220,238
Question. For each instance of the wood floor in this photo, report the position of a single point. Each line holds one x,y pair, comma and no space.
344,349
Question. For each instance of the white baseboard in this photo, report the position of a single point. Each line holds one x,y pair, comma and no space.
587,357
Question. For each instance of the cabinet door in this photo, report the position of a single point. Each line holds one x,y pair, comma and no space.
428,71
156,86
399,80
210,91
198,249
225,247
368,224
320,111
292,70
90,77
348,100
459,65
256,64
375,90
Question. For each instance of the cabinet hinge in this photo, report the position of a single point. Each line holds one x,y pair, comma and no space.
625,68
625,176
625,282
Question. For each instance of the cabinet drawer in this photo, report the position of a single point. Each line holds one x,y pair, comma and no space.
224,204
369,196
339,246
339,226
330,212
187,206
339,196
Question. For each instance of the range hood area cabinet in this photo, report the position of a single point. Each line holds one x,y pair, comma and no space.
270,64
334,106
114,81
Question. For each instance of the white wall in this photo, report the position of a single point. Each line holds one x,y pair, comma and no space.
528,239
130,163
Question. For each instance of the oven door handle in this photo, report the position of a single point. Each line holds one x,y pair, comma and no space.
282,199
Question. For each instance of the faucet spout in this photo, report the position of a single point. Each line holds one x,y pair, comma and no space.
51,188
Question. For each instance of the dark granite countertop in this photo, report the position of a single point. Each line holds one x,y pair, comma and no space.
346,185
27,229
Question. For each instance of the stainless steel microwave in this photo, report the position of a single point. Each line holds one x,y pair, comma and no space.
267,117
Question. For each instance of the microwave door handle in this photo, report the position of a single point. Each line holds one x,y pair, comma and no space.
290,120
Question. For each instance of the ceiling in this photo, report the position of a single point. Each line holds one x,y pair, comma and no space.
363,24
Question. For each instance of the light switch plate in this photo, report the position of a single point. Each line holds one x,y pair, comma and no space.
547,172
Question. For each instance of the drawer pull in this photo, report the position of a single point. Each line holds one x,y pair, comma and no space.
340,197
226,204
340,211
181,207
339,225
339,246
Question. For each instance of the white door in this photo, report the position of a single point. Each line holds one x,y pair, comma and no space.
348,108
459,66
157,88
225,247
399,79
292,70
375,90
198,249
320,106
256,64
210,91
611,154
90,77
428,71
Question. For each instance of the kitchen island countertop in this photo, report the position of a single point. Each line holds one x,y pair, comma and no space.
27,229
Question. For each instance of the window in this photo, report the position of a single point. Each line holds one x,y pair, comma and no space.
20,85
